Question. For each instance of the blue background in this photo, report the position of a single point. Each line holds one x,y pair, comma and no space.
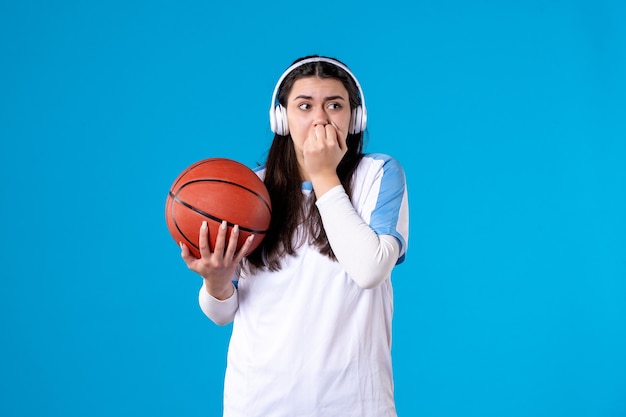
509,118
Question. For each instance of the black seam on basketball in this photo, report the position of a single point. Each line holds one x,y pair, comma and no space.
182,233
189,241
210,216
230,183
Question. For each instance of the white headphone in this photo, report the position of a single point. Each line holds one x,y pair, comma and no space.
278,113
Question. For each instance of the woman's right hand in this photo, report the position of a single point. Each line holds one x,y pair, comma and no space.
217,268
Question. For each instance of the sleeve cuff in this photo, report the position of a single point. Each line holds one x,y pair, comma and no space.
221,312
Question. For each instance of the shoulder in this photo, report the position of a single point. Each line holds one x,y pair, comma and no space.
259,171
378,180
380,161
379,165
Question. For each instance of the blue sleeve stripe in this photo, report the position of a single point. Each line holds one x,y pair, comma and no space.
386,214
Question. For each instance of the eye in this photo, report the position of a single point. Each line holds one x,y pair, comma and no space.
304,106
335,106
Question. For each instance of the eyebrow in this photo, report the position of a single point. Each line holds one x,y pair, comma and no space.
329,98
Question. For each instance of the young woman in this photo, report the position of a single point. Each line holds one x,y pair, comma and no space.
312,306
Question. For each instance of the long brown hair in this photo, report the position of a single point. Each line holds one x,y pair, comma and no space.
290,207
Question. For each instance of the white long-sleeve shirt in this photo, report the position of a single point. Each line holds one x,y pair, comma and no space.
314,338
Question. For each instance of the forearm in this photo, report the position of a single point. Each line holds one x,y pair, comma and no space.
221,312
367,257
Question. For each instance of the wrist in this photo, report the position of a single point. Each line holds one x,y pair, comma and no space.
322,184
219,292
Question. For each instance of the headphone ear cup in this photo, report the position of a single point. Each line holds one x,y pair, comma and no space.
357,123
362,118
278,120
282,128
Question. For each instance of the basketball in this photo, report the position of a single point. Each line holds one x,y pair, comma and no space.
214,190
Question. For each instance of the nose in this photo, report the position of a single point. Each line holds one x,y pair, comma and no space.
320,116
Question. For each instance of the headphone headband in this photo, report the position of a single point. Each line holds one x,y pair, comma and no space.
278,115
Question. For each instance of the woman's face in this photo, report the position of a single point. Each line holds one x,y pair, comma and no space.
316,101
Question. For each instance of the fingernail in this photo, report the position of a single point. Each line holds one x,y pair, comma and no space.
204,225
181,245
224,224
236,229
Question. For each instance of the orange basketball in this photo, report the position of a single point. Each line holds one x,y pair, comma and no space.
214,190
